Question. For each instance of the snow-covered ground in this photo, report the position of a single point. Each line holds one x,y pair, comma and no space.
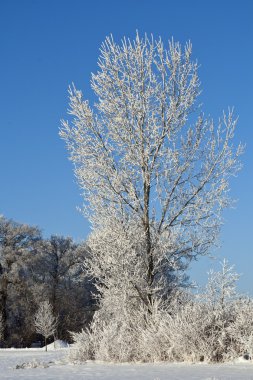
52,365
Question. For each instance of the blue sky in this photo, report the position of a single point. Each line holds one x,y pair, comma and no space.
46,45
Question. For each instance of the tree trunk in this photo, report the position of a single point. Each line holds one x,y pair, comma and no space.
146,223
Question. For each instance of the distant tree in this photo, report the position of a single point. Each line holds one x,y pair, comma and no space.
18,248
61,278
62,264
45,322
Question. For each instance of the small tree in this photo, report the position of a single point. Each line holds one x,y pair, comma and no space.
221,286
45,322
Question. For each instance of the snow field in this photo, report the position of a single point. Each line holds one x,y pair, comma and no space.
53,365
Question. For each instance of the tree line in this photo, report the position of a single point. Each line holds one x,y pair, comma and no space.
33,270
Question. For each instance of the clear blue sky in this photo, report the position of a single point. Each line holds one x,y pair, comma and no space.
45,45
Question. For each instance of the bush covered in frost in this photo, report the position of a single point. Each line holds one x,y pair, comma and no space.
213,326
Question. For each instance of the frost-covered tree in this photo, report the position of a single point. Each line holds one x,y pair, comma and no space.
155,178
45,322
221,286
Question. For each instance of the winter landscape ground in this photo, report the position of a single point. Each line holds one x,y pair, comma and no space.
53,365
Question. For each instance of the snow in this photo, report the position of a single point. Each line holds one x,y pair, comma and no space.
53,365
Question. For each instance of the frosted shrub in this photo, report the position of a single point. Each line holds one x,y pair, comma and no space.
241,329
115,341
213,326
83,348
199,332
194,333
136,338
105,341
